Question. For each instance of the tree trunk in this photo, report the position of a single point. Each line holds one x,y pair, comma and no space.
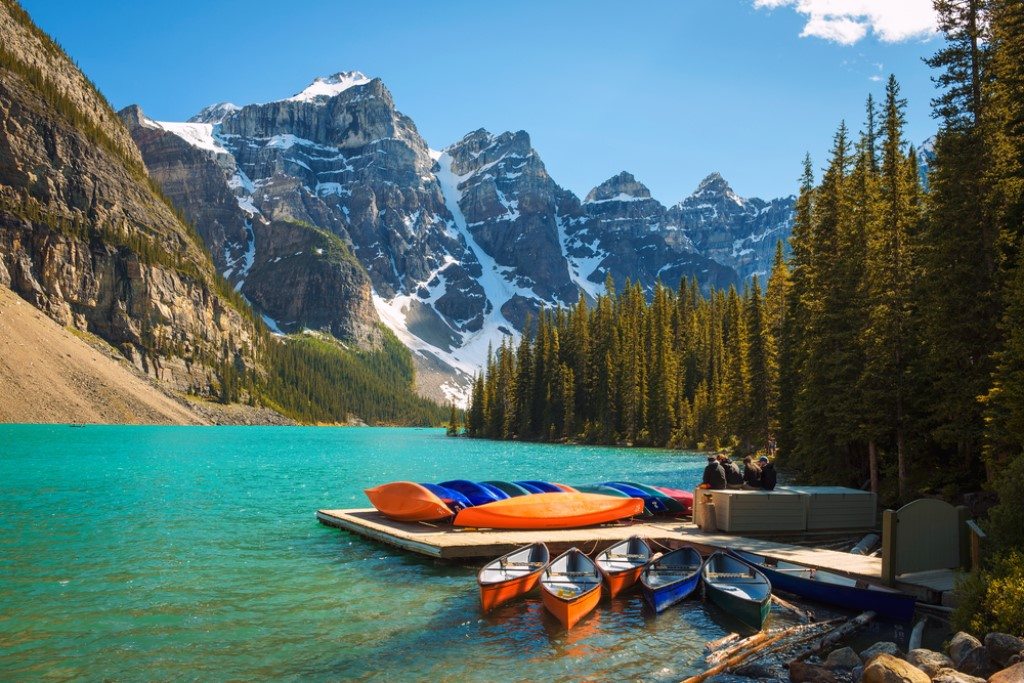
873,465
901,464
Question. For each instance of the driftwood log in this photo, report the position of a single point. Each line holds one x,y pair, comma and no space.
837,634
713,645
737,658
803,615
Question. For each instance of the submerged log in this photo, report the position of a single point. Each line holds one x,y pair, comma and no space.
737,658
836,635
803,615
713,645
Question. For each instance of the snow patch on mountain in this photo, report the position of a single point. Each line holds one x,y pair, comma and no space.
325,87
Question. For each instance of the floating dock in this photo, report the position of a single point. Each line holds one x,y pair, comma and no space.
445,542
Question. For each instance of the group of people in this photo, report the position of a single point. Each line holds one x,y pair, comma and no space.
722,473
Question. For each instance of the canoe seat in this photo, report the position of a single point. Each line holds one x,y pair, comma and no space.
681,571
522,564
572,574
628,556
729,575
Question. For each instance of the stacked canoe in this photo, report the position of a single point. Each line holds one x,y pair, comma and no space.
735,582
526,504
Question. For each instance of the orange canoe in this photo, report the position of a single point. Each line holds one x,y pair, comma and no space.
571,587
565,487
511,575
622,563
407,501
550,511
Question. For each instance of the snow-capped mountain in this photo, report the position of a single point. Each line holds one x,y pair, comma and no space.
342,217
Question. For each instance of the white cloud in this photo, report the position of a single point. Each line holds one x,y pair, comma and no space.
847,21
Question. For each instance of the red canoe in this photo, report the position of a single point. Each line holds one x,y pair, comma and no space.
550,511
685,498
407,501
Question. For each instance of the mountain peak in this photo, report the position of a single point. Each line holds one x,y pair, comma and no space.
714,185
214,113
324,87
621,187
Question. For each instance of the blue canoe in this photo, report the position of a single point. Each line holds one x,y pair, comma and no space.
528,486
477,494
452,498
508,487
671,578
496,490
831,588
541,486
652,504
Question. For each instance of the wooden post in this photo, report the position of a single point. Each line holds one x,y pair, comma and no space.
889,532
977,536
962,515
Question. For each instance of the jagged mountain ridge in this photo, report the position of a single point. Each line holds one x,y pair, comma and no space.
461,244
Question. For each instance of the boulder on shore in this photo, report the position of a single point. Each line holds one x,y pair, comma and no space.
954,676
929,661
885,668
1011,674
843,658
1002,647
960,645
885,647
977,663
802,672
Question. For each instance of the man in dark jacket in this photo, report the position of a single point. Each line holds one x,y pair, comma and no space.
733,476
768,475
714,475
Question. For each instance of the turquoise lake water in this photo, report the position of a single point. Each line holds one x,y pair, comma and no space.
157,553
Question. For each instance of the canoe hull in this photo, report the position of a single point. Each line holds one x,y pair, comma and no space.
570,586
549,511
511,575
661,596
752,614
891,605
660,599
570,612
739,589
496,594
620,582
407,501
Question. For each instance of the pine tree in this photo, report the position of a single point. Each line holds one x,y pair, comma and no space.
453,422
888,339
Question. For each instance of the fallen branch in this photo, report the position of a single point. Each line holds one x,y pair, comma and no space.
735,659
837,634
756,639
804,615
713,645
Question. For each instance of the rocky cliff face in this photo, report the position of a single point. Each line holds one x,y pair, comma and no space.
736,232
299,277
633,237
97,248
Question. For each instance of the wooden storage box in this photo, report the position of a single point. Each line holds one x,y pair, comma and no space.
763,511
836,507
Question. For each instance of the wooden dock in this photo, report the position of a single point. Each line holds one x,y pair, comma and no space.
454,543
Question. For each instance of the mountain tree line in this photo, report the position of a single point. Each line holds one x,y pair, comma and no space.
672,369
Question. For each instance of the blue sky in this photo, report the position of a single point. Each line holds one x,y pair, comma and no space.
669,91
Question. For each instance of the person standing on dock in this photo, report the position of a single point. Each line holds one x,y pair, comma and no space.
714,475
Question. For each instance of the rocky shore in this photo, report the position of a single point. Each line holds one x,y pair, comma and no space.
998,658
